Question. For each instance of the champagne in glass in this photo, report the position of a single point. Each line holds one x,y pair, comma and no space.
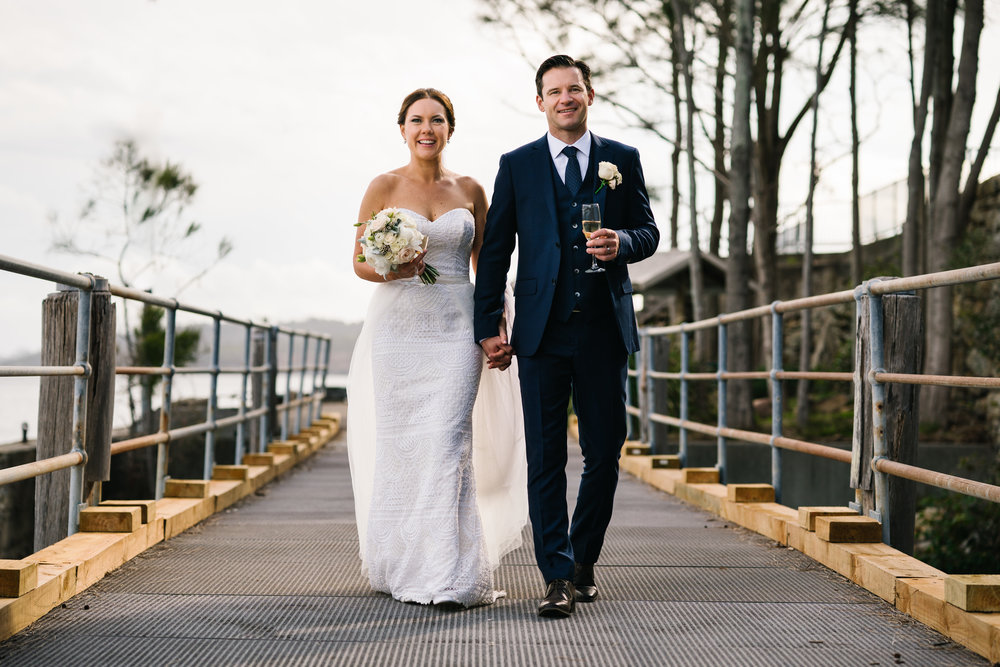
591,223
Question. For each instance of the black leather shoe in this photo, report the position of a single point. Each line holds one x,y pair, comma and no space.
583,581
559,599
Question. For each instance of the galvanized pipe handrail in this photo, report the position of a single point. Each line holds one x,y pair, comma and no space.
792,305
938,380
939,279
878,378
757,375
40,371
76,459
25,471
791,444
23,268
940,480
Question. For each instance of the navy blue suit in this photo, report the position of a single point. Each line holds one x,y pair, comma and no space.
572,332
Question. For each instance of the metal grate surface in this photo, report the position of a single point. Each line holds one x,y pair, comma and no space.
276,580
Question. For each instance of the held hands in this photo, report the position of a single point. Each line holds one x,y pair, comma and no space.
603,244
498,352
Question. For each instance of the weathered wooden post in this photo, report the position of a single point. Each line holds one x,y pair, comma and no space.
257,390
55,404
902,349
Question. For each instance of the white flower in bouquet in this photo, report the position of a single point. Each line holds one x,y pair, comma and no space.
391,238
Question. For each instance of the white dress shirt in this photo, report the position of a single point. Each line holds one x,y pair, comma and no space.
582,146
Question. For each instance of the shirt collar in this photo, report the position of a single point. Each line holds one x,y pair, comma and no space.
582,145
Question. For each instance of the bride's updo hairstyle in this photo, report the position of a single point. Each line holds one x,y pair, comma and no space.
425,94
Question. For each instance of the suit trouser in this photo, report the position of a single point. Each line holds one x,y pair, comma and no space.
584,359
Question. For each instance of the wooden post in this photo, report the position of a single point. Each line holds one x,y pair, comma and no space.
903,334
55,406
256,387
101,389
273,426
660,433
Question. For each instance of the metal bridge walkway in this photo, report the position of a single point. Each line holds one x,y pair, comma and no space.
275,580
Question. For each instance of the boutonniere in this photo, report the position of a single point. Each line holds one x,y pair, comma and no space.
609,175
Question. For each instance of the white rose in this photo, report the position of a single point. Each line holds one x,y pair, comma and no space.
388,237
608,172
379,238
406,234
378,223
406,254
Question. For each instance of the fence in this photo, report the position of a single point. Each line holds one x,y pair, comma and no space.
304,407
868,298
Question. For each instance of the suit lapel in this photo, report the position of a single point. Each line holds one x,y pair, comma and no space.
541,177
598,151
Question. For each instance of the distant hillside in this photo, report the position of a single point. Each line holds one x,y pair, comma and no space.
231,345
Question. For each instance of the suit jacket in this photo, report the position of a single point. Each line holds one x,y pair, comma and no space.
524,210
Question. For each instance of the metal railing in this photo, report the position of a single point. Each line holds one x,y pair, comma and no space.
644,375
305,405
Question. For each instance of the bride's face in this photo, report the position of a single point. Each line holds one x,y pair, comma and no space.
425,128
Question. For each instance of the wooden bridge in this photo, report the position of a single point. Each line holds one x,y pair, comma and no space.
275,579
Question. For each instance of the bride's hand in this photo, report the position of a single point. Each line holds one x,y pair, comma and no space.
411,269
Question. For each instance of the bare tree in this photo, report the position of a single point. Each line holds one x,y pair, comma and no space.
724,44
805,346
856,257
915,186
136,220
739,341
949,208
694,265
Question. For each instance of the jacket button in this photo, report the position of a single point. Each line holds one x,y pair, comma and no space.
574,225
574,204
576,294
576,270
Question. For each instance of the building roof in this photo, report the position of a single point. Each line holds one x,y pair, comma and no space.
660,267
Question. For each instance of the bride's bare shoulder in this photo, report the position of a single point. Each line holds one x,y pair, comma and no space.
385,184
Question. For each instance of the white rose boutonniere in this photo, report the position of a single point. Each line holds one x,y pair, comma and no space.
609,175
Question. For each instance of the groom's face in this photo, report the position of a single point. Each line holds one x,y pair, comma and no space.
564,101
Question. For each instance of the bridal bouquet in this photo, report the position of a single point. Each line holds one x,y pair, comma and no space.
391,238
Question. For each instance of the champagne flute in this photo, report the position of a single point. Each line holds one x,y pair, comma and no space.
591,223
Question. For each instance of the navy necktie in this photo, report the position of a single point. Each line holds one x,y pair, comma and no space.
573,178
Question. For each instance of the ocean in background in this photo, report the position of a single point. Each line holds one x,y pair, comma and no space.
19,399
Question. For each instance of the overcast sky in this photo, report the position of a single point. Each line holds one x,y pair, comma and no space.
283,112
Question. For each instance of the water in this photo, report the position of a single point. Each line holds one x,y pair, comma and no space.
19,399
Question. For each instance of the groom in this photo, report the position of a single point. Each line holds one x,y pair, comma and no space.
573,330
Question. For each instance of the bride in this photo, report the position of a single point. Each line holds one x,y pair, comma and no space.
436,443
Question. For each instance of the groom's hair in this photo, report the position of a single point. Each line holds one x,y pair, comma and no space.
427,94
561,61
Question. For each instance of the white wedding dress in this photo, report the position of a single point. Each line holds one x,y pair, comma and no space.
435,439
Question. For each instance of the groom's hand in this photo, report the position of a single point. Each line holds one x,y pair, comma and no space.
603,244
498,353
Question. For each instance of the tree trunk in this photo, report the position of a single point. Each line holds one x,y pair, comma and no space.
675,155
916,202
724,39
739,412
856,259
945,209
701,338
805,346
